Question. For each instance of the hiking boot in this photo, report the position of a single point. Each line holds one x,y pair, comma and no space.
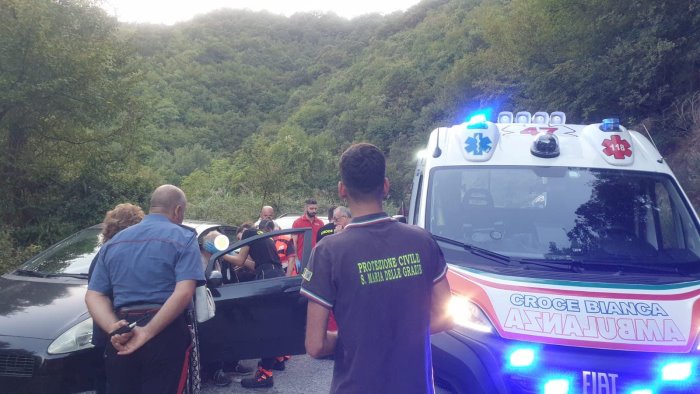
262,378
239,369
220,379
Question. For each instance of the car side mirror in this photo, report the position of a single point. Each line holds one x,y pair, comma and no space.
215,279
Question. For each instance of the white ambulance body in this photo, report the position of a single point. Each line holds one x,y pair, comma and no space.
573,255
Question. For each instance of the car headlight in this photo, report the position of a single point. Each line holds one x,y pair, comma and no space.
468,315
76,338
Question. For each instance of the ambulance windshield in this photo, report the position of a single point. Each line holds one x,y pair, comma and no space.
559,213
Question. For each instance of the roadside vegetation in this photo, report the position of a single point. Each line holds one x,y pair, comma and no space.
245,109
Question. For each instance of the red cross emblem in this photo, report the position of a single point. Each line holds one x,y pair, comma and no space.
617,147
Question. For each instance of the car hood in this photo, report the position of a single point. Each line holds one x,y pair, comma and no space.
40,308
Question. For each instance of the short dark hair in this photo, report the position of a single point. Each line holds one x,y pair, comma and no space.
310,201
362,170
266,225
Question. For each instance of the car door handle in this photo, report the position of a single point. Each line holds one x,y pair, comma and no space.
293,289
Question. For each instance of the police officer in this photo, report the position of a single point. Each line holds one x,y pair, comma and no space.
151,270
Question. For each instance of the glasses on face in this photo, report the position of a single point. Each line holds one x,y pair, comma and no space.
336,218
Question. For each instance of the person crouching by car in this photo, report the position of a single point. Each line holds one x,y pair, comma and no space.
151,269
266,264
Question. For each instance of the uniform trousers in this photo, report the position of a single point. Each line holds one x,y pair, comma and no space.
157,367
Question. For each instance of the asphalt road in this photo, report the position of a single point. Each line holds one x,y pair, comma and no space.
303,375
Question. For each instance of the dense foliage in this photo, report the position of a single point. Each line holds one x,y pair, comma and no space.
244,109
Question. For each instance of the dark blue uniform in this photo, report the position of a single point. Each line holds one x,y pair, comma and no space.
140,266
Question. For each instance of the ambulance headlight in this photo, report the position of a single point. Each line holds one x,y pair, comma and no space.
466,314
76,338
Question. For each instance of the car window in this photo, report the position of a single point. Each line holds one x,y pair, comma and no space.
73,255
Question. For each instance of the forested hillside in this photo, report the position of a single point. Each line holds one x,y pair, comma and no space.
243,109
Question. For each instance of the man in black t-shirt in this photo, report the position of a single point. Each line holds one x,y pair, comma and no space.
265,260
385,282
328,228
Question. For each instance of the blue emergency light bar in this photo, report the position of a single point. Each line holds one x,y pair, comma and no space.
477,121
610,124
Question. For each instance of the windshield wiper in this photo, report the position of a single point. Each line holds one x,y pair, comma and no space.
579,265
558,264
38,274
67,275
35,274
493,256
638,268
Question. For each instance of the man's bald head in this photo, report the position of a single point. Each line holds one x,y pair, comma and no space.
170,201
267,212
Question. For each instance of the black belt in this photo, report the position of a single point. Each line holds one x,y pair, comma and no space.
137,311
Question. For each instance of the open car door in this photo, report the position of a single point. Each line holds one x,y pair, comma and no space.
259,318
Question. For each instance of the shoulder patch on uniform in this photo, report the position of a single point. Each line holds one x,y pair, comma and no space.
307,274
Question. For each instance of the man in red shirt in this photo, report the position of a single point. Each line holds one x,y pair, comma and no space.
308,219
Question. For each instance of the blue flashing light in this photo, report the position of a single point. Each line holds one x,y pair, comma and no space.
677,371
478,118
521,358
477,121
610,124
642,391
557,386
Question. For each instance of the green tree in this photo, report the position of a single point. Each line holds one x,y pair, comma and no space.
67,113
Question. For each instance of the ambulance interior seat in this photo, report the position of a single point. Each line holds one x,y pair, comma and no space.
478,210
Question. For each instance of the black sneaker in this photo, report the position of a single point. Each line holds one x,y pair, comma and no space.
220,379
262,378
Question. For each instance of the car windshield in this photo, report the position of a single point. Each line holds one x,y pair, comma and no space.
565,214
70,256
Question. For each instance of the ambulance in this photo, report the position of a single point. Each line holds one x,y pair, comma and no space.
574,258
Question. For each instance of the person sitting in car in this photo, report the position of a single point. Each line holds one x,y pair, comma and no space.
266,264
218,372
263,253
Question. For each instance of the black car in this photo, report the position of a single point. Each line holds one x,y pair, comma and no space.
46,331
